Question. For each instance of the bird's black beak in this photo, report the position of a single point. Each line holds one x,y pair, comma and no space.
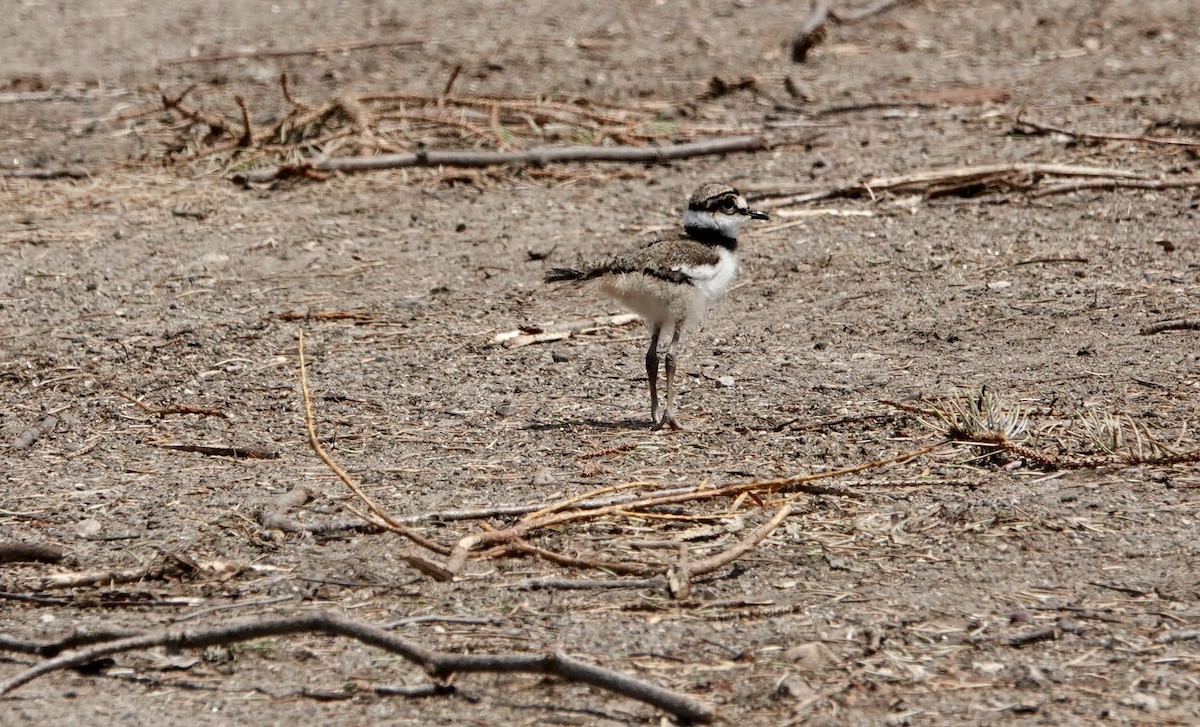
758,215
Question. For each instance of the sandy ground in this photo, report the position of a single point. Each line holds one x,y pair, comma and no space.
950,589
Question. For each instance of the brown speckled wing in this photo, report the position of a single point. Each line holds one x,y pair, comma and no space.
662,259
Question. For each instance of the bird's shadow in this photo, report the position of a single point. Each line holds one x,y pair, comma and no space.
588,423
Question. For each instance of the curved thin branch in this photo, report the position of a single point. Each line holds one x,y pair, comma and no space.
437,664
315,443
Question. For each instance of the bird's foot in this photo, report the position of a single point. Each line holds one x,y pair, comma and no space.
668,421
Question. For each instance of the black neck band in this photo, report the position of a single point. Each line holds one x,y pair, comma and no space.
709,236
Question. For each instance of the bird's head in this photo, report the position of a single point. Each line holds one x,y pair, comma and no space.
718,208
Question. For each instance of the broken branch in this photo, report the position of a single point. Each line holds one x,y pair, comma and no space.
437,664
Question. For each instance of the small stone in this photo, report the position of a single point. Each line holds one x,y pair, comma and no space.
726,382
811,656
558,356
88,528
542,478
794,687
506,410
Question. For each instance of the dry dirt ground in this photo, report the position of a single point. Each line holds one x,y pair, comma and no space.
950,589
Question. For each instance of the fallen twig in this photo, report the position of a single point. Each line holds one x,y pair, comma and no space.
73,640
286,52
173,409
62,94
1029,127
325,315
219,451
526,335
812,31
30,553
679,578
1106,184
578,584
1074,462
165,567
538,156
315,443
956,180
1185,324
437,664
462,549
55,173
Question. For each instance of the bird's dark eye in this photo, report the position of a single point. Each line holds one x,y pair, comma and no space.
728,205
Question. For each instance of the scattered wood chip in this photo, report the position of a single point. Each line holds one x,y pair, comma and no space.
527,335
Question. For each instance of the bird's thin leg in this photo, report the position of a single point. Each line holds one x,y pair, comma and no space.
668,417
652,371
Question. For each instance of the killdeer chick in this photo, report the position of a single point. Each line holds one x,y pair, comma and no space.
671,281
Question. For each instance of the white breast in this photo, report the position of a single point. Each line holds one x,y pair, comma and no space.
713,280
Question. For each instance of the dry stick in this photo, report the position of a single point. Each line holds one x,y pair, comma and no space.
325,315
72,640
30,553
811,32
1179,325
520,546
160,569
461,550
538,156
450,81
576,499
1101,136
218,451
437,664
392,524
511,510
560,331
56,173
957,176
61,94
552,583
176,409
285,52
1045,459
759,534
246,140
1106,184
679,578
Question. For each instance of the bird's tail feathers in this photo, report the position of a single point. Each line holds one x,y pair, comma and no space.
561,275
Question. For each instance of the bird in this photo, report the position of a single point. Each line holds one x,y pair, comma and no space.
671,281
